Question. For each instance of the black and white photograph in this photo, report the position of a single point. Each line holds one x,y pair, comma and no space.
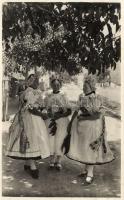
61,99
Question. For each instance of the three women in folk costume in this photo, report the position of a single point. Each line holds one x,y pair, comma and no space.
41,129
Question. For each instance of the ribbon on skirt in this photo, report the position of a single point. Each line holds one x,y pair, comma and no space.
100,140
18,121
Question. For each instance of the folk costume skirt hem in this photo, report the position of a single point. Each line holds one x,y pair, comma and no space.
37,135
83,134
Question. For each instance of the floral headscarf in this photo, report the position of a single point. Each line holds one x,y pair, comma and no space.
56,77
31,79
89,85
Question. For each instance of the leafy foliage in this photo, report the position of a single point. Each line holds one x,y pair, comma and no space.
63,36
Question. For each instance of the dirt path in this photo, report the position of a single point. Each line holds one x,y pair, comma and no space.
65,183
16,182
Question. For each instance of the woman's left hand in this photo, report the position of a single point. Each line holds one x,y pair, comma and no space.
57,115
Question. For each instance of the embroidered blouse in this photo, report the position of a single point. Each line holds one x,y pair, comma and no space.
33,97
90,105
55,102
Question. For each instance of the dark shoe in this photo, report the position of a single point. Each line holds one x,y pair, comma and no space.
34,173
26,167
82,175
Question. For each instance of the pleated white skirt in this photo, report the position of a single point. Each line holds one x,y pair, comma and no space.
37,135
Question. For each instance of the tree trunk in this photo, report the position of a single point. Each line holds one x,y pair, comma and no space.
35,69
26,74
6,108
5,93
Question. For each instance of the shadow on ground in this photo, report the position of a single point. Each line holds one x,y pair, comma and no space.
16,182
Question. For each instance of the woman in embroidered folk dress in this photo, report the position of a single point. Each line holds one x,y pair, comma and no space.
58,112
88,143
28,136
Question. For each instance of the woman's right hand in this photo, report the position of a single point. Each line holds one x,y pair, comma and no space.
44,116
